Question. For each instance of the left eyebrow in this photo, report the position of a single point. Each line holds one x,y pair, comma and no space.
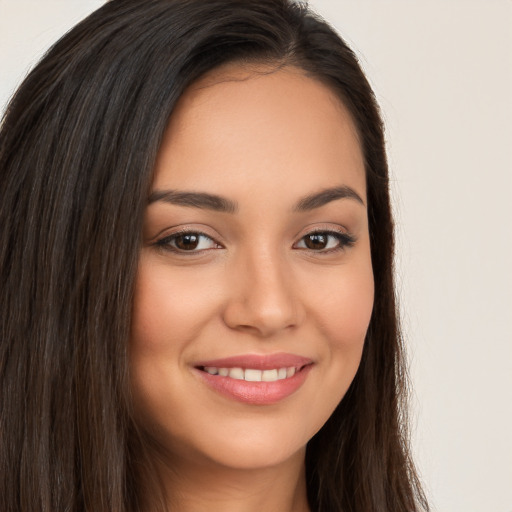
325,196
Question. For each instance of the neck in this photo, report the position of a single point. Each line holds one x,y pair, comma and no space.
195,487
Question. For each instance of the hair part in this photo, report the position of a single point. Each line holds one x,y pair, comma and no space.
78,145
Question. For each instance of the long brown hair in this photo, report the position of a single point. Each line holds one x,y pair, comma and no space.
78,145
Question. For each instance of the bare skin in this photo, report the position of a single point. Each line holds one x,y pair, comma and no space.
277,265
231,490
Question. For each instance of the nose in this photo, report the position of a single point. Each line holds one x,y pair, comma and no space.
263,298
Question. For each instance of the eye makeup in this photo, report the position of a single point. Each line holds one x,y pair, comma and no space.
189,241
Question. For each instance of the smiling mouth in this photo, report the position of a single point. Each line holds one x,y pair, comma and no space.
255,379
253,374
255,386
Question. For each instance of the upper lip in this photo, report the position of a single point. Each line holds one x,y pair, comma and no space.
258,361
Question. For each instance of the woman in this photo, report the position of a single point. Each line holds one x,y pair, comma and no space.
197,302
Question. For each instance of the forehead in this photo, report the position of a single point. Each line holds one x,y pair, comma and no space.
244,126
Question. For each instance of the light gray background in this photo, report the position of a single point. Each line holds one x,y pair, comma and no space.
442,71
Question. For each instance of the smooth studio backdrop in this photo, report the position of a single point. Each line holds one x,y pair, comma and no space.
442,71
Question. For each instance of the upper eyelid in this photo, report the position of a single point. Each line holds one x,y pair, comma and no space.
325,230
188,232
303,232
337,234
169,232
191,230
338,229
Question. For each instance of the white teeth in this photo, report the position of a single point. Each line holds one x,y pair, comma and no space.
253,375
268,375
290,372
236,373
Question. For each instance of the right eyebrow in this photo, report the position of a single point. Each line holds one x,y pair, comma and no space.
194,200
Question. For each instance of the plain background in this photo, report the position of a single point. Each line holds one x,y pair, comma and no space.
442,72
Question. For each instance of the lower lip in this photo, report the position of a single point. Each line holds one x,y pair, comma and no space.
256,393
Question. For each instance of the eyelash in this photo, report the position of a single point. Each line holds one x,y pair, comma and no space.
344,240
166,242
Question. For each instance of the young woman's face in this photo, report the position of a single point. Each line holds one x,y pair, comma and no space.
255,286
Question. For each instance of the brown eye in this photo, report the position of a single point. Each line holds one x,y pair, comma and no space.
316,241
192,242
187,242
325,241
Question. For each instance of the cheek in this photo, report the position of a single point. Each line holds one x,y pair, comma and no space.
169,308
343,316
339,309
168,312
344,309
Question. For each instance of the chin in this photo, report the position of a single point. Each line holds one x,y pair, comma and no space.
247,444
248,455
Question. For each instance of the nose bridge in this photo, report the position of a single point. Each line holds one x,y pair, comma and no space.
263,298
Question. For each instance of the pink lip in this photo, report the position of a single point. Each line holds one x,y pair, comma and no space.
256,393
258,362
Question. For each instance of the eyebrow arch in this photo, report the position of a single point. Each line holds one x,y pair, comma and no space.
194,200
325,196
217,203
